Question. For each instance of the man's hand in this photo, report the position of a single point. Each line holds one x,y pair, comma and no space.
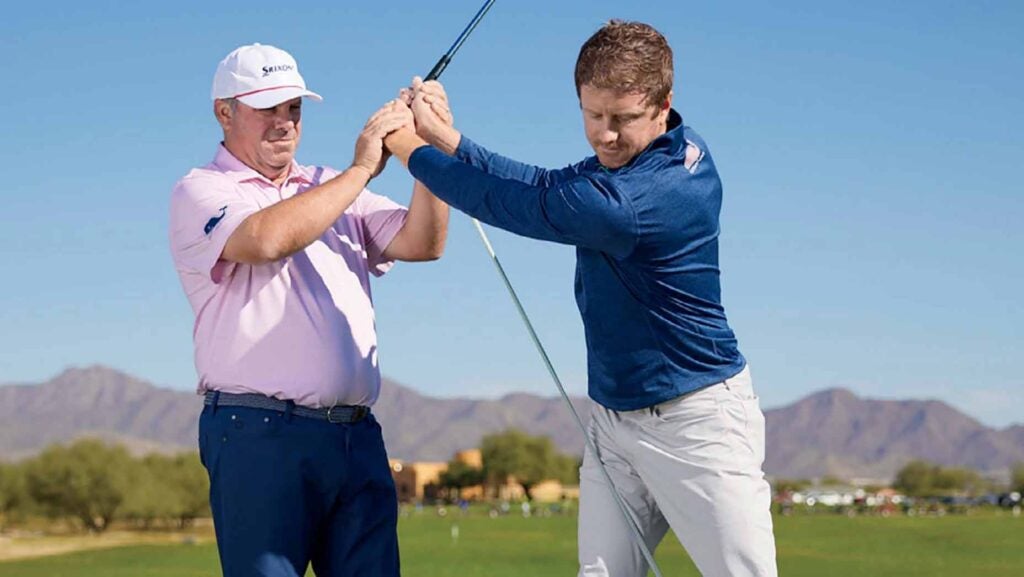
370,154
434,120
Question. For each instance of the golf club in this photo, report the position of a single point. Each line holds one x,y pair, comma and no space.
433,75
438,68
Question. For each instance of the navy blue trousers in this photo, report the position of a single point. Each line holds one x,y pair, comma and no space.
287,491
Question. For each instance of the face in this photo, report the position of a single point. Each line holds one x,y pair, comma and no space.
264,139
620,126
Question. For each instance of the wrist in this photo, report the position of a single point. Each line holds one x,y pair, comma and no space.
449,141
446,140
360,171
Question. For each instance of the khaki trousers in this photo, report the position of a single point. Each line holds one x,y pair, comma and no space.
692,464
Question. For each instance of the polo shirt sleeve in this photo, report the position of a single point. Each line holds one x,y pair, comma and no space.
381,219
205,211
472,153
583,211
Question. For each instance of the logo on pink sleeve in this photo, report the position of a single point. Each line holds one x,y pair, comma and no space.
212,223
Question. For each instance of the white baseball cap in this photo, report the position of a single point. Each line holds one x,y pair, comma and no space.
260,76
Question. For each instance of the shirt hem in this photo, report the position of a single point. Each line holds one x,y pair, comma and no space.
680,389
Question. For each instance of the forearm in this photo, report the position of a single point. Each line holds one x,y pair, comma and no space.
423,235
468,198
291,225
574,212
505,203
503,167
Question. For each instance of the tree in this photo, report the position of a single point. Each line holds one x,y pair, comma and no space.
167,488
831,481
1017,478
13,493
923,479
459,475
192,487
151,496
87,480
527,458
790,485
915,478
566,469
957,480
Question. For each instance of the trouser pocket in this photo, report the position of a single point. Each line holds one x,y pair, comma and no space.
747,424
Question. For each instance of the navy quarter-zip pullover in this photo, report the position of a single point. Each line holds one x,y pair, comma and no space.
646,237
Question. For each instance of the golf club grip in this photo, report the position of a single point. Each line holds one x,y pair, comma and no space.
438,68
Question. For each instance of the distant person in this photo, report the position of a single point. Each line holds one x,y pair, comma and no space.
275,258
677,422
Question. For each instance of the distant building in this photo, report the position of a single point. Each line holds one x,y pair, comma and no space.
421,481
416,481
552,491
471,458
548,491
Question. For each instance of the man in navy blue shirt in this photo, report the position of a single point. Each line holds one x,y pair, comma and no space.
676,422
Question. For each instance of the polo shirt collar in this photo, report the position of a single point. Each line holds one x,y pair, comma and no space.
674,130
230,165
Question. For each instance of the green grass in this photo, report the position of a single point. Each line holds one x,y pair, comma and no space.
978,545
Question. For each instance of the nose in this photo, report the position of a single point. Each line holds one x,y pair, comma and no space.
607,136
283,119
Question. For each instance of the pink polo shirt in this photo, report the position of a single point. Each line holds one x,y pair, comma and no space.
301,328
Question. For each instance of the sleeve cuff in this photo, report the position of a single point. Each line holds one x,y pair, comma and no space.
213,266
375,260
427,160
466,149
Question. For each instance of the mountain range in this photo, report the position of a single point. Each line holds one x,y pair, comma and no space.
832,432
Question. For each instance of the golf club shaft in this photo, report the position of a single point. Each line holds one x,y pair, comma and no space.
561,389
433,75
443,62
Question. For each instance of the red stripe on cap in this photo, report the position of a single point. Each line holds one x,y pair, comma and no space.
266,89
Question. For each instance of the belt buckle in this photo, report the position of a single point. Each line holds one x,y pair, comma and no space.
331,418
358,413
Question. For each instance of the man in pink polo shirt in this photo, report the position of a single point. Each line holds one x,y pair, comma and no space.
275,258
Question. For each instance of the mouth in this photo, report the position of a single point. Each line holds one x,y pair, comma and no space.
611,155
611,158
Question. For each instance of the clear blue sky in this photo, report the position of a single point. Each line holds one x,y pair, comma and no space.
871,154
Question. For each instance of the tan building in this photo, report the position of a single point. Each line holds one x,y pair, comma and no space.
416,481
471,458
549,491
420,481
552,491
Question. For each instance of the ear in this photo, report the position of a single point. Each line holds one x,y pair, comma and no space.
665,107
661,110
222,111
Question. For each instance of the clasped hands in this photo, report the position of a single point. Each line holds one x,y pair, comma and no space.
420,115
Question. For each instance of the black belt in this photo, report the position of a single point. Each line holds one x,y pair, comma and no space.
335,414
